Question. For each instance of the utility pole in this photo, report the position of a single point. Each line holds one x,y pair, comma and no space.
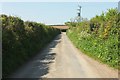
79,13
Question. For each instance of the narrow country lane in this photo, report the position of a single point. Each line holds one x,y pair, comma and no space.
60,59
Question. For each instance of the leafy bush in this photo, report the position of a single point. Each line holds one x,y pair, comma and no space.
98,37
21,40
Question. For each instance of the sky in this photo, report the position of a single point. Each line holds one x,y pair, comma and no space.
54,12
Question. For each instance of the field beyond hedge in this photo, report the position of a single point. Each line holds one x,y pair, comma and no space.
98,37
22,40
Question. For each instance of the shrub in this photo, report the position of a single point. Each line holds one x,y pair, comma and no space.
98,37
21,40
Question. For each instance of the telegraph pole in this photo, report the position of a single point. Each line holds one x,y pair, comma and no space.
79,13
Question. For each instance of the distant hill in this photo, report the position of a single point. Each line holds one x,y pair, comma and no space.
60,26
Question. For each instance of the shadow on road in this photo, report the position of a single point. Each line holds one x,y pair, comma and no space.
46,57
39,65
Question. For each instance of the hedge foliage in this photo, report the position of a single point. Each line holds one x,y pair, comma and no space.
98,37
21,40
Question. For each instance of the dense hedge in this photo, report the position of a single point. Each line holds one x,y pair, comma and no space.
98,37
21,40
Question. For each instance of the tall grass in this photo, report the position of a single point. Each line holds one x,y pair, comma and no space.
98,37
